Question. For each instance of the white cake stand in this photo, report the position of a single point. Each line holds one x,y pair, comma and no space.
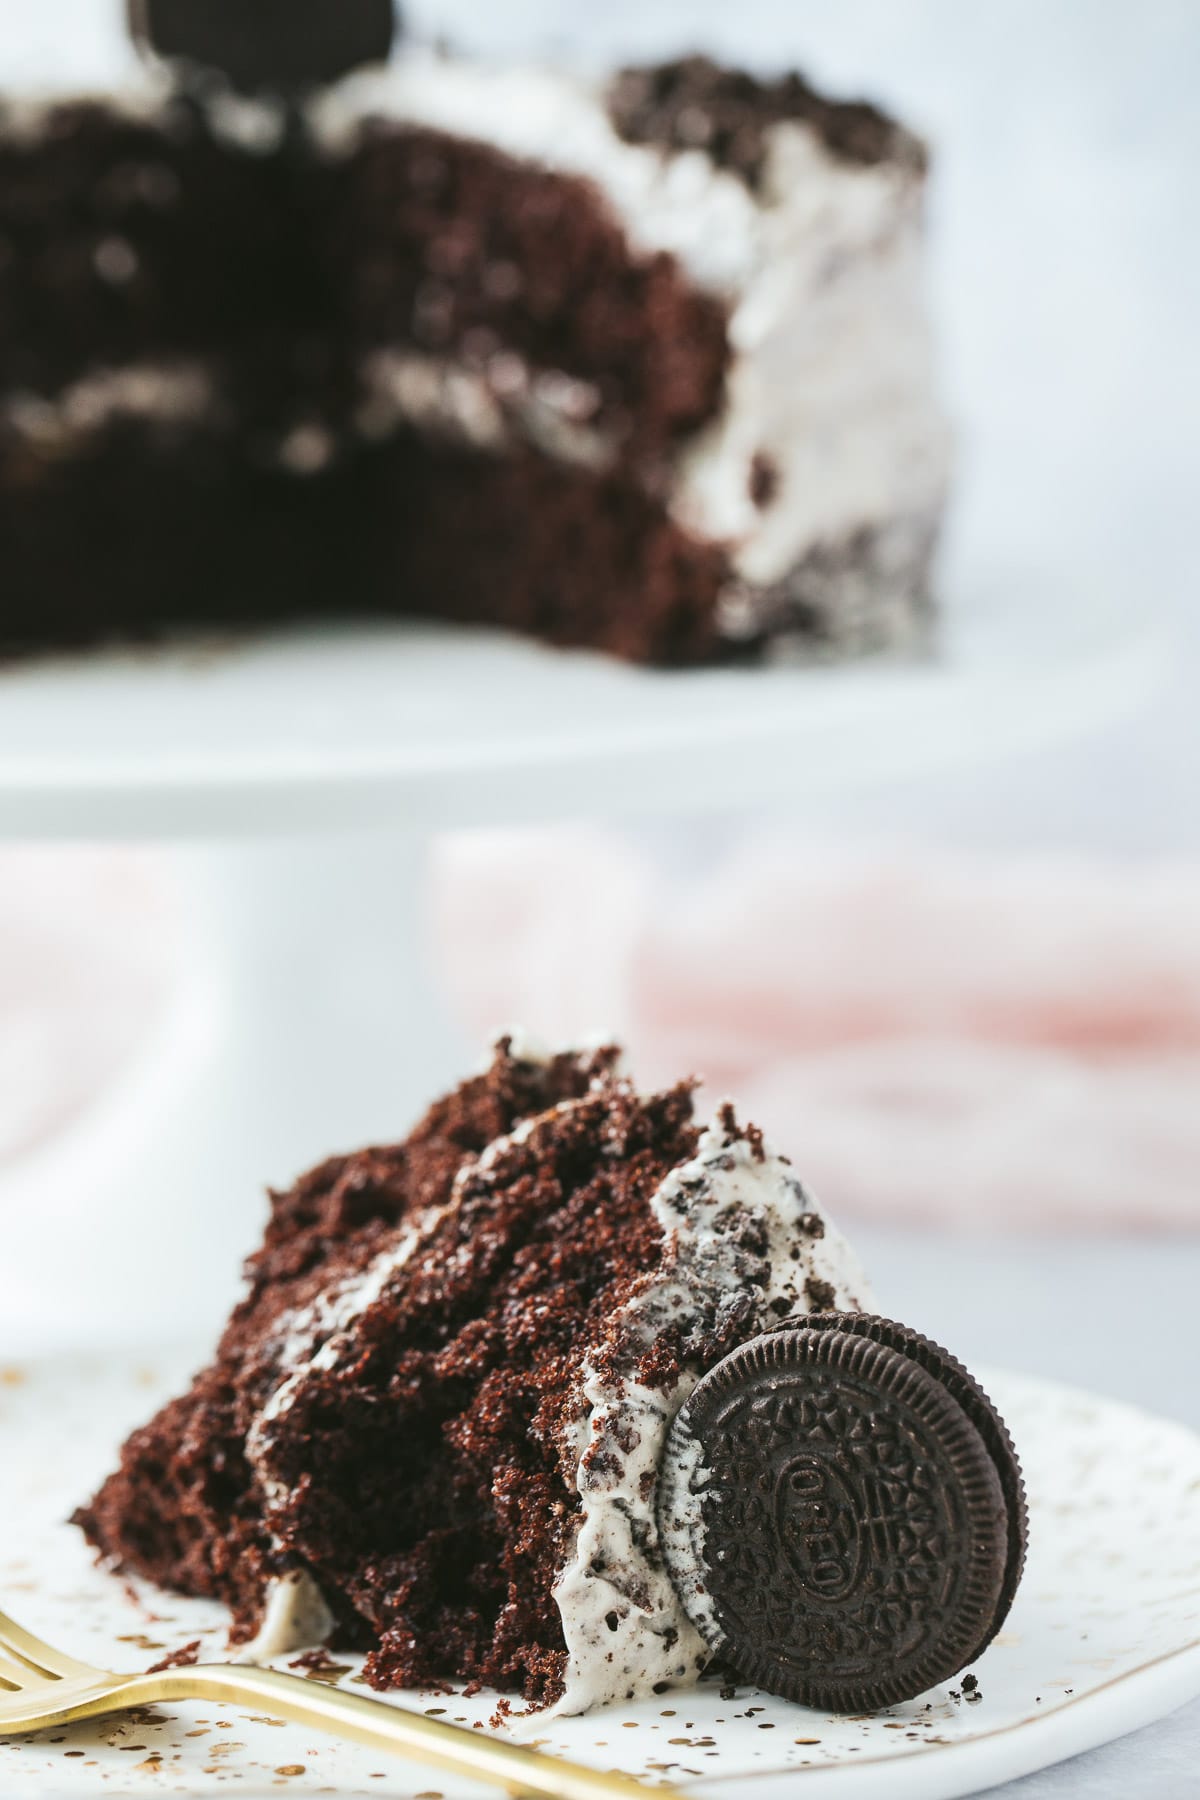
322,761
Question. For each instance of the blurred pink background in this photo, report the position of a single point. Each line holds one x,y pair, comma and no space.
976,1038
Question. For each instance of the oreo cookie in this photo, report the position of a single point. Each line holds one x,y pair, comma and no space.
267,46
842,1512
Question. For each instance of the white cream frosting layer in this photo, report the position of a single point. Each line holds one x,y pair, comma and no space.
743,1241
148,391
832,376
488,408
138,96
295,1615
680,203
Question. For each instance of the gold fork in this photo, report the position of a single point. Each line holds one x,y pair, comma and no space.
41,1686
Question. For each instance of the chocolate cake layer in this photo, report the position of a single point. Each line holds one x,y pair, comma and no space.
132,230
262,526
259,524
142,234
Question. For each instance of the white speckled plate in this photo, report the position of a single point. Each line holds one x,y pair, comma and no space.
1104,1636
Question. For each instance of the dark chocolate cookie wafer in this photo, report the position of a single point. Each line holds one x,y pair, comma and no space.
841,1511
271,46
978,1407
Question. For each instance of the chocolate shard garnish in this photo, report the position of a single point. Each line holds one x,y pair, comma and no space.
267,46
842,1512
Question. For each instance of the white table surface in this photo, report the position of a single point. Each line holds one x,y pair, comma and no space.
1115,1315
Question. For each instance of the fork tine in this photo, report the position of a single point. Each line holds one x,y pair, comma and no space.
37,1657
22,1671
13,1675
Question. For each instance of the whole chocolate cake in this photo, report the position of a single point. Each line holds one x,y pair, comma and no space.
640,364
434,1424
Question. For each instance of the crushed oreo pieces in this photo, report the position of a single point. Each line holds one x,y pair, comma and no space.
696,104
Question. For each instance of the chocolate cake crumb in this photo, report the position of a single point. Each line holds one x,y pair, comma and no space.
183,1658
737,1134
318,1665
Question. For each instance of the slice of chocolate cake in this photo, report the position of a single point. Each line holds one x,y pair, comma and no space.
434,1425
641,365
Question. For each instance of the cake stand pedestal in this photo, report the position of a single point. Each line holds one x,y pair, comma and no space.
300,777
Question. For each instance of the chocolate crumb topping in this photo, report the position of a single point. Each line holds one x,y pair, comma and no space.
735,1133
820,1293
695,104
